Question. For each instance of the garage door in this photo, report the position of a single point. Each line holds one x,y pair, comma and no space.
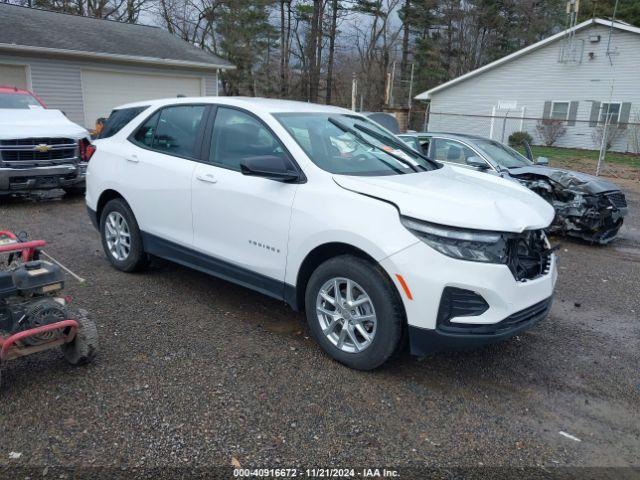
102,91
13,76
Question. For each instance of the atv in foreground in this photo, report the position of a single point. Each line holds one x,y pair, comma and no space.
33,315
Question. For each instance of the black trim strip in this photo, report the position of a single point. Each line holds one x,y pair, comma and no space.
214,266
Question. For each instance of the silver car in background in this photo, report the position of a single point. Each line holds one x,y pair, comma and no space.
587,207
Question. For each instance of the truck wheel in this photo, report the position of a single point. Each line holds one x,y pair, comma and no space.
83,348
121,237
354,312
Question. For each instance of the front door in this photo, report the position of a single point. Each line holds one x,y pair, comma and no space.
242,221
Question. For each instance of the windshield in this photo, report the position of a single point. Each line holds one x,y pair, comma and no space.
18,100
351,145
504,156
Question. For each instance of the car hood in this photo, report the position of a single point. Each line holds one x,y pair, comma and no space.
37,122
457,197
578,181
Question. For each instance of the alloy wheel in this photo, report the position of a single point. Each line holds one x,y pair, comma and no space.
346,314
118,236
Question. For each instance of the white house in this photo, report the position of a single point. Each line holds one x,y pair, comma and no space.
578,76
86,66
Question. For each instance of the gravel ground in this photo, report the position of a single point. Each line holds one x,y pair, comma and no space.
194,371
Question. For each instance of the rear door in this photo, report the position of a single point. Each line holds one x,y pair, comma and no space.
243,221
158,168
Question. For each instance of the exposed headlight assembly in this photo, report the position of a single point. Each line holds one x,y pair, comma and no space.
473,245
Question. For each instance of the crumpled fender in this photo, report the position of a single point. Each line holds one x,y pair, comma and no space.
578,181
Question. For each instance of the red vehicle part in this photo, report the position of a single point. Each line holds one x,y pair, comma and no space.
27,249
10,347
9,350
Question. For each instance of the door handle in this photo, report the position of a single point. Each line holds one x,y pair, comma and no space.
206,177
132,158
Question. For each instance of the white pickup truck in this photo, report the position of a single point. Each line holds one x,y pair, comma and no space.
40,148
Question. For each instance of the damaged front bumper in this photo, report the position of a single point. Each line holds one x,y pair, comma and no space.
593,218
424,341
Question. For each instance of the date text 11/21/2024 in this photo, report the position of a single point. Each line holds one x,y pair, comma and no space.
316,473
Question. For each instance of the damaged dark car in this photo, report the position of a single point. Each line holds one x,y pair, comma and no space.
587,207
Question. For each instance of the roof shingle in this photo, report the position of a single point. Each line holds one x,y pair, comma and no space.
22,26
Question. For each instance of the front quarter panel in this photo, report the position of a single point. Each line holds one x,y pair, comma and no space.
325,213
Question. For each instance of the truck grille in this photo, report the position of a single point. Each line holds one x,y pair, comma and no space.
38,152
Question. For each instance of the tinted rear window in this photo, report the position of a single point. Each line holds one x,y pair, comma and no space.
118,119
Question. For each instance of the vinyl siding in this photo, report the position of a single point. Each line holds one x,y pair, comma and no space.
59,82
537,77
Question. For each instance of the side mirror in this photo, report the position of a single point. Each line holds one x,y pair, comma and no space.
542,161
477,162
269,166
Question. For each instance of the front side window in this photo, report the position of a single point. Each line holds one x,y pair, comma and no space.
504,156
452,151
238,136
424,145
351,145
610,110
119,119
559,110
20,101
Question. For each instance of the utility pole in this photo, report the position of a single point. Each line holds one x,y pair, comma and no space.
391,82
410,99
354,92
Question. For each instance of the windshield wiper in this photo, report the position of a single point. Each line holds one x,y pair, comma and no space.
399,144
359,136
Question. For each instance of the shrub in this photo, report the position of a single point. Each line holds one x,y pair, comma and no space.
517,139
614,131
550,130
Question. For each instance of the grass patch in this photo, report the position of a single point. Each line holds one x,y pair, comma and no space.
578,155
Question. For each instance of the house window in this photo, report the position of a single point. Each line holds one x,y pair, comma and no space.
610,110
559,110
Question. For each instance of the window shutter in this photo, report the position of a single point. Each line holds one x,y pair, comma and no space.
573,113
546,113
595,111
625,111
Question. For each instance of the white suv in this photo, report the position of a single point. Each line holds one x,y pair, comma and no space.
323,209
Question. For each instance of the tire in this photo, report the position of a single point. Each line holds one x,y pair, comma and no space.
135,259
83,348
384,304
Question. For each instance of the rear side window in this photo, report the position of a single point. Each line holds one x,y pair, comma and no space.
172,130
144,135
119,119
